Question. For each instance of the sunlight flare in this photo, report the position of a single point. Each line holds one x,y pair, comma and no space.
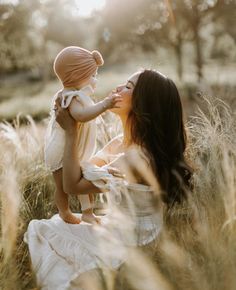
86,7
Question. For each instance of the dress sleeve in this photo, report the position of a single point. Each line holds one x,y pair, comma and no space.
97,175
101,154
66,100
102,179
67,97
106,151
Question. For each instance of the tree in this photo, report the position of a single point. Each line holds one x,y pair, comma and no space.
150,24
30,31
16,41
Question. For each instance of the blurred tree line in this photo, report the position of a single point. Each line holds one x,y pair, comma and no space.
32,32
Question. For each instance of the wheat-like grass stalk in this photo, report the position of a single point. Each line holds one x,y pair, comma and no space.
197,247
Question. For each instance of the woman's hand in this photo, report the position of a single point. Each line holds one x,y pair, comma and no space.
63,116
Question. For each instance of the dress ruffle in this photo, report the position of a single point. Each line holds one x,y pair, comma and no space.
60,252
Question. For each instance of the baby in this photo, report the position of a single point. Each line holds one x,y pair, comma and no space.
76,68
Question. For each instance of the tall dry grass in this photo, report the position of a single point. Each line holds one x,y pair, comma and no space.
197,246
204,231
25,194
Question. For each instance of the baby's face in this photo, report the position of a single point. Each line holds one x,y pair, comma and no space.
93,80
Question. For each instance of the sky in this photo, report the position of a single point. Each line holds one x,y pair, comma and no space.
86,7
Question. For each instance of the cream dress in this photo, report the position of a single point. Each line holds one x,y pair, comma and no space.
60,252
55,135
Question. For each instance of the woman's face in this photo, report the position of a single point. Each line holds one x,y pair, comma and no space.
126,91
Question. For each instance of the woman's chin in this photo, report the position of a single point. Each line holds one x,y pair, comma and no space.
119,111
114,110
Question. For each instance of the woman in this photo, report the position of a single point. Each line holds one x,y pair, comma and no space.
151,149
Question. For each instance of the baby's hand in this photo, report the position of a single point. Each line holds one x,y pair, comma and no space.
111,101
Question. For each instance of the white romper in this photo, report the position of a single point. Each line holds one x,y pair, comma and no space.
55,135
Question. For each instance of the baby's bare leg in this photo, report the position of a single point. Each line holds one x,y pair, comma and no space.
85,202
87,209
62,201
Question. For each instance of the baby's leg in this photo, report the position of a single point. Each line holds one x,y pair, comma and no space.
86,202
62,201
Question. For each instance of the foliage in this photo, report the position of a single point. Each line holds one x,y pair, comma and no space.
32,32
149,25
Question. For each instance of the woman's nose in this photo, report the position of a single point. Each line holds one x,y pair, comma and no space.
119,88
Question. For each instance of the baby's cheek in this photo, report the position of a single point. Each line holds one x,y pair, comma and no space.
93,82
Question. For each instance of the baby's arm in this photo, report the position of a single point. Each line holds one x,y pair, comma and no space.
84,114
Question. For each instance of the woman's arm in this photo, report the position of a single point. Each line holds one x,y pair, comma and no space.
84,114
72,177
73,182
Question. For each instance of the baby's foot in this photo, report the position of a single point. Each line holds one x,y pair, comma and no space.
90,218
69,217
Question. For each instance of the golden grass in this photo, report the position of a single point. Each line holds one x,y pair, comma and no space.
197,247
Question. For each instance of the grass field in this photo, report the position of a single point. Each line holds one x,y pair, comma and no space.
197,247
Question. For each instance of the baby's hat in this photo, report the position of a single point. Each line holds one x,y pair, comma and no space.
75,64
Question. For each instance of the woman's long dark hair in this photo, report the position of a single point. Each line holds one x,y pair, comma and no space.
156,123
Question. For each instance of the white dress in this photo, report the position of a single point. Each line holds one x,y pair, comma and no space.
60,252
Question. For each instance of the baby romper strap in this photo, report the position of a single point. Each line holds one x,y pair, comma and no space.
67,97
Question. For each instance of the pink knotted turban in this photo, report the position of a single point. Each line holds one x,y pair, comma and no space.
74,65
